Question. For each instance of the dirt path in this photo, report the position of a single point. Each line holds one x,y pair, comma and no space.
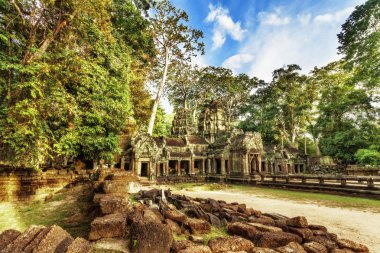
359,226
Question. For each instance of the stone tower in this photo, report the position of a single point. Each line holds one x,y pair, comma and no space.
183,123
212,122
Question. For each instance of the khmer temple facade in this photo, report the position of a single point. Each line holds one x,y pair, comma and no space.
205,147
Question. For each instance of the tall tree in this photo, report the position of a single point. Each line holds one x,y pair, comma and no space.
360,43
175,41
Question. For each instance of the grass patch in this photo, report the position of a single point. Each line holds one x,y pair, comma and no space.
69,209
215,233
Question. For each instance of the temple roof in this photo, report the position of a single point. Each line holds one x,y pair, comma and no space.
175,142
194,139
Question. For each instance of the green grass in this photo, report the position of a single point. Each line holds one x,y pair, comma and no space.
325,199
69,209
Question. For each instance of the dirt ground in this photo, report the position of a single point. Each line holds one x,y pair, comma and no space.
359,226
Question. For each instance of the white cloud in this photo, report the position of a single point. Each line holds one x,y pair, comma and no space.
235,62
223,26
282,37
334,17
275,18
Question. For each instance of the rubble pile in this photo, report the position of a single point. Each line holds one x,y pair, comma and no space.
152,223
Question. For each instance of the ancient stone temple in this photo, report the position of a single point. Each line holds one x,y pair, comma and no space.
209,150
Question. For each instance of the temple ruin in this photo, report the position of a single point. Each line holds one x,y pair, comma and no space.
205,147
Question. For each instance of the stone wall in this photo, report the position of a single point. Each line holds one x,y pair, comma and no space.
20,185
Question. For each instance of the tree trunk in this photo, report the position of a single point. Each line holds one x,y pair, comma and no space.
317,150
159,93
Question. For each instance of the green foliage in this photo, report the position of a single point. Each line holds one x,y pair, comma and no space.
369,156
360,43
66,77
163,123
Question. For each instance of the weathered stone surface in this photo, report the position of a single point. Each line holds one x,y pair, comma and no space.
174,227
79,245
151,215
55,240
196,239
314,247
292,247
112,204
325,241
276,239
196,249
304,233
342,251
317,227
265,228
262,239
23,240
214,220
112,225
299,222
7,237
175,215
265,220
354,246
150,237
232,243
276,216
198,226
262,250
181,244
111,186
151,193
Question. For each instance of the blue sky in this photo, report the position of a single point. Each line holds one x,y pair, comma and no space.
258,36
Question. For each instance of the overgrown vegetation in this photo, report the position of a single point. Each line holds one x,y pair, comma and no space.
69,209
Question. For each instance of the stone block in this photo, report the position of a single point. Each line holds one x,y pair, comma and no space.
354,246
298,222
79,245
198,226
7,237
112,225
232,243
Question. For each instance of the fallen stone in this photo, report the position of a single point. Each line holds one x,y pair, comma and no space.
265,228
55,240
276,216
196,249
111,186
79,245
198,226
342,251
112,225
151,194
232,243
150,237
151,216
325,241
181,244
214,220
299,222
317,227
314,247
292,247
112,204
174,227
304,233
23,240
7,237
276,239
175,215
262,250
196,239
265,220
262,239
354,246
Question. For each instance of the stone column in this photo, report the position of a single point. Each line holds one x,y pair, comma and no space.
179,167
223,167
208,166
122,163
192,169
259,162
213,166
